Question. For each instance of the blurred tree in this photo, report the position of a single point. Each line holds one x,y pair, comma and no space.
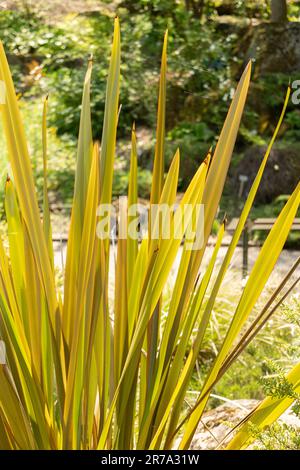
278,11
196,6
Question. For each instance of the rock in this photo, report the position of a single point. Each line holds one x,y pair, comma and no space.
275,48
218,422
281,173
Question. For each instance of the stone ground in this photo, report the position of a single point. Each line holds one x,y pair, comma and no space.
216,424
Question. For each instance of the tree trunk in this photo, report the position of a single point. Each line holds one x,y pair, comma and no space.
278,11
196,6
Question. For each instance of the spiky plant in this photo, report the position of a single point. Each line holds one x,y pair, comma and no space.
81,372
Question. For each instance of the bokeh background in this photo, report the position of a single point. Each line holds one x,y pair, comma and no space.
48,45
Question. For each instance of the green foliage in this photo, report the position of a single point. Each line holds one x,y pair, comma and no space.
283,333
278,340
120,185
252,8
275,384
194,141
79,367
293,122
50,57
196,53
279,436
200,77
61,161
282,436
